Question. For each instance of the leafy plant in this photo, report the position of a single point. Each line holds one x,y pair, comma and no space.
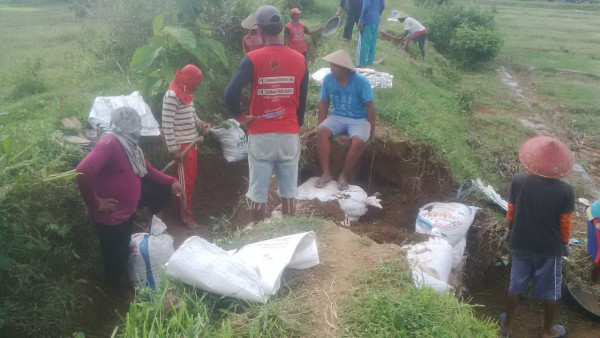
171,47
465,33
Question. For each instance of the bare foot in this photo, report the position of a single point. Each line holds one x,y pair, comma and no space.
322,181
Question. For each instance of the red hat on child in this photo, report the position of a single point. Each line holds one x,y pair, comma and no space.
546,156
295,11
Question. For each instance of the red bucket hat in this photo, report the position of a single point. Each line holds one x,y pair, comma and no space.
546,156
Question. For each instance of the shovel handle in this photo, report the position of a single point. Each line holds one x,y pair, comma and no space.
196,141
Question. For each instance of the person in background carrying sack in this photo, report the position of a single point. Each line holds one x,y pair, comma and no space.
538,229
593,241
279,81
179,123
114,181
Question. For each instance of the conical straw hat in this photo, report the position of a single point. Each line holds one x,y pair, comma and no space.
546,156
399,15
249,22
340,58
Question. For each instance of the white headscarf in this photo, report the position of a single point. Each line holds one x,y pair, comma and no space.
125,124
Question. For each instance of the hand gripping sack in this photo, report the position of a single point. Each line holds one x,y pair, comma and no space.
233,141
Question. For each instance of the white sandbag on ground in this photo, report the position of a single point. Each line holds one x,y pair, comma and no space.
148,255
431,263
233,141
252,273
452,219
99,117
353,201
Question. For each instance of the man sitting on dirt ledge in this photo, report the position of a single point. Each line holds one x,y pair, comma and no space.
538,230
279,86
353,114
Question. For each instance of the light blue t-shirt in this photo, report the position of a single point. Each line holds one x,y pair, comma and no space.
350,100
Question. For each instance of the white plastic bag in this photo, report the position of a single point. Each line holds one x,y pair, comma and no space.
99,117
148,255
431,263
233,141
452,219
252,272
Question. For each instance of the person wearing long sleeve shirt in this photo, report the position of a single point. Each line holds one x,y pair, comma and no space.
279,81
352,16
368,25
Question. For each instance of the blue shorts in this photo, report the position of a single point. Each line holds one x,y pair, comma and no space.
546,273
419,37
348,126
273,150
593,242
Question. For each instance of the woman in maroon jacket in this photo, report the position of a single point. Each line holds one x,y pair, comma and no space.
110,183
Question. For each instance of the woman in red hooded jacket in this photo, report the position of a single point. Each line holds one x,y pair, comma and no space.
179,123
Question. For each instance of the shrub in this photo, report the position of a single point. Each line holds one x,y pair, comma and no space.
471,46
466,34
27,79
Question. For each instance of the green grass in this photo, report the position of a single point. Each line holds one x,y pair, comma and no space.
386,304
546,36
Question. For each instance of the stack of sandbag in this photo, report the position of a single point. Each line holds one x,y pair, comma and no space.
453,220
232,139
148,255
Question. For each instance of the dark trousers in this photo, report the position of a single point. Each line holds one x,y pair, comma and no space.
114,242
351,19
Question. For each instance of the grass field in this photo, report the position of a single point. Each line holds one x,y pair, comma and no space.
47,74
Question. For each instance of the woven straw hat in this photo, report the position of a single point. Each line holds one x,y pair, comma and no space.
400,15
249,22
340,58
546,156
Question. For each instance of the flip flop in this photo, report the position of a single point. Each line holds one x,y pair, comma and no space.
561,331
501,320
342,185
319,184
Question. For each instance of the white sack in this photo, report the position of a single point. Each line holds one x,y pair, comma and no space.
99,117
252,273
376,79
148,255
452,219
233,141
353,201
431,263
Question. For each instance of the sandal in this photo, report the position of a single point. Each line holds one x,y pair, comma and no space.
319,183
501,320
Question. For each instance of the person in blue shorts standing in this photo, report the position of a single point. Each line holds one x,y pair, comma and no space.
353,114
538,229
593,241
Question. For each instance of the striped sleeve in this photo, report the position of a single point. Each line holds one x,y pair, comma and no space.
168,121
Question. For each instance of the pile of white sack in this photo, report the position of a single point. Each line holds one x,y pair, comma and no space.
433,261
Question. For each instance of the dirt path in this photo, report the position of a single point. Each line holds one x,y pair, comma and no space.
343,256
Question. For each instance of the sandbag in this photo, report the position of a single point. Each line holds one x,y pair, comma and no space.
99,117
148,255
233,141
252,272
431,263
452,219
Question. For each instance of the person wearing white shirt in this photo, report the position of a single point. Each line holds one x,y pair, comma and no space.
415,31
